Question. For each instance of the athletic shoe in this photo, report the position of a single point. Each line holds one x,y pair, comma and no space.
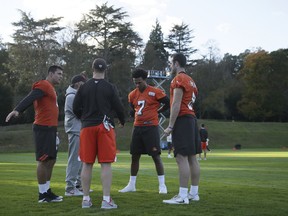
128,188
44,198
108,205
205,158
86,203
199,158
193,198
170,156
177,200
162,189
73,192
54,197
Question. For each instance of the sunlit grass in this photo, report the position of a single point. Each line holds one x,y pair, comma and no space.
244,182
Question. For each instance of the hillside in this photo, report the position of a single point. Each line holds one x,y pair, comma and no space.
222,134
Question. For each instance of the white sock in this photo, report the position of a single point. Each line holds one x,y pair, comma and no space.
161,179
48,184
183,192
42,188
193,190
86,198
132,180
106,198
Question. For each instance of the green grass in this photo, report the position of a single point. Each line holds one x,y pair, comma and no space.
252,181
245,182
222,135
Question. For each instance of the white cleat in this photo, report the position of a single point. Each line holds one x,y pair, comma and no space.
193,198
177,200
162,189
128,188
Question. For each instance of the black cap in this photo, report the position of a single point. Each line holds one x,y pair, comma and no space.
78,78
99,64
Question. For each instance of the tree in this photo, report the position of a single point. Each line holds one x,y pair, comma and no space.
155,56
6,93
77,55
217,83
101,27
35,47
4,58
279,84
104,29
256,75
180,39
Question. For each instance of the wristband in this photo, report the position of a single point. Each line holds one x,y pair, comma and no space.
170,127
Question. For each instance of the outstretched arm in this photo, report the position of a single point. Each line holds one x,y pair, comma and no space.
25,103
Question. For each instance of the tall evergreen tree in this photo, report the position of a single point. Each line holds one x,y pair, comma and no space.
155,56
180,39
113,39
35,47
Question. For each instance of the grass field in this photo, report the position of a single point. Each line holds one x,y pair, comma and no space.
245,182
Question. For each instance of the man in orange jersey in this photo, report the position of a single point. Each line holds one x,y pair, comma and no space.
44,98
184,129
146,101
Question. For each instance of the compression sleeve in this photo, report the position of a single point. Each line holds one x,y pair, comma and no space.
29,99
166,104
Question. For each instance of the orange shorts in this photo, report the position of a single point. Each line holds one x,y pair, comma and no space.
97,141
203,145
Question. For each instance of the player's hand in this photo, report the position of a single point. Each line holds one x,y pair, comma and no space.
14,113
168,130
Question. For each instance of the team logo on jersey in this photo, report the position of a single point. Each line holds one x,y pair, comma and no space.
151,94
192,84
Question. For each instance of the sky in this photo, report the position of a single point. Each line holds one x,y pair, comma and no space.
231,26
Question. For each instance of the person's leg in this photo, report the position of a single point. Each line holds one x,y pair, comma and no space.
135,164
73,165
184,174
195,177
44,173
158,164
86,176
49,168
78,179
184,170
106,178
134,168
160,171
42,179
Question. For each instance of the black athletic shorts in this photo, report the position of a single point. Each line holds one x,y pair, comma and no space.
45,142
185,136
145,140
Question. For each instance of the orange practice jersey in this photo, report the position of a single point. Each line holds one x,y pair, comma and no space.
186,83
46,108
146,105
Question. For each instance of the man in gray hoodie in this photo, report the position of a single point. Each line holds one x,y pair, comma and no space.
72,128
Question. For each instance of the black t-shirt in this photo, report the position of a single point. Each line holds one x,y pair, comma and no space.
203,135
95,99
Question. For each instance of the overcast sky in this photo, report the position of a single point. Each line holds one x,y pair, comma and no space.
232,25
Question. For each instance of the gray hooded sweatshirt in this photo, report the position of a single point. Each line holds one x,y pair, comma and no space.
72,124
